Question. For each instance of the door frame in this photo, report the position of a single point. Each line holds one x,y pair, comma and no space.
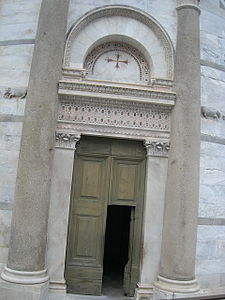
119,153
60,202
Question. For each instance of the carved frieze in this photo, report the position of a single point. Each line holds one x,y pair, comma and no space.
114,111
103,112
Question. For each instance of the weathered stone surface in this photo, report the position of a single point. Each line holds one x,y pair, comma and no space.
212,37
212,201
18,19
59,214
182,190
213,86
162,11
5,219
156,171
15,66
11,291
210,255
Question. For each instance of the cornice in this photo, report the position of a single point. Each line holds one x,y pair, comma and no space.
74,89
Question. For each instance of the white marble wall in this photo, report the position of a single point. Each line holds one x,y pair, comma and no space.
18,22
211,238
163,11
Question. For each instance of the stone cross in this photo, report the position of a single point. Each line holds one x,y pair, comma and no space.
117,61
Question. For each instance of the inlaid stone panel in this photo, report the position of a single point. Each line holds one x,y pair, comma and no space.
115,113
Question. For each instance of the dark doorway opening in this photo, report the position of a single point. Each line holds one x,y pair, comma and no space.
116,248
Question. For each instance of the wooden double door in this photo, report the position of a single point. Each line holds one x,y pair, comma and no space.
108,173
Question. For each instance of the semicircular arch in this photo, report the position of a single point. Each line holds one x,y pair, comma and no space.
124,23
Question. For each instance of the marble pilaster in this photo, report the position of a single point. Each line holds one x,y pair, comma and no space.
156,171
63,163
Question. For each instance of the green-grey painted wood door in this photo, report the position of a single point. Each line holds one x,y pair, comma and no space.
106,172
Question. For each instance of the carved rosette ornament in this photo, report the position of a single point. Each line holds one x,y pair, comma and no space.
156,148
66,140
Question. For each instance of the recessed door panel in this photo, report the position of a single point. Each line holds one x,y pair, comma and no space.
85,235
91,179
124,184
126,181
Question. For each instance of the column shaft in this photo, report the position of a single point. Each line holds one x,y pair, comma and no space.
30,214
182,189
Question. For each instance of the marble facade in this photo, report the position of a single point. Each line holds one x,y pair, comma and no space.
18,23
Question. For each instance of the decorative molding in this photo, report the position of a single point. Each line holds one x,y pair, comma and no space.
69,86
17,42
11,118
23,277
66,140
161,82
177,286
114,111
213,65
212,113
93,57
211,221
144,292
111,131
74,73
191,6
19,93
117,10
57,286
212,139
157,148
141,116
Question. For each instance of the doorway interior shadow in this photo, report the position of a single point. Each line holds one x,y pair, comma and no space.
116,249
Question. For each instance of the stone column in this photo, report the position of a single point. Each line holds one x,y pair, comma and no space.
27,250
156,171
177,271
59,208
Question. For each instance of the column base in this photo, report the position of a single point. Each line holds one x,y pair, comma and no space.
57,287
180,288
23,277
15,291
143,292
